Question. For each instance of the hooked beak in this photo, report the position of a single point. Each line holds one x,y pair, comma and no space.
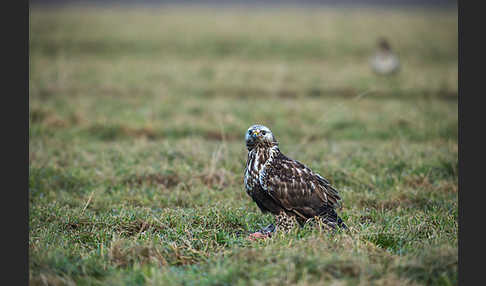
255,133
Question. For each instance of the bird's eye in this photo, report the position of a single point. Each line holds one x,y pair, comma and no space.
263,132
249,132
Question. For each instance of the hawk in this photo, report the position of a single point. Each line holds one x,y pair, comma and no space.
288,189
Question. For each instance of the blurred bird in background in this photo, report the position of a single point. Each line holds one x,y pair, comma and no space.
384,61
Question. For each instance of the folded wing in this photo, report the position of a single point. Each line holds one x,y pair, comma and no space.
297,188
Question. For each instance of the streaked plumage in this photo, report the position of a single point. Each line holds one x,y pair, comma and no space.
384,61
285,187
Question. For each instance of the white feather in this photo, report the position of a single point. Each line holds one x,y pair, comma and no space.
263,174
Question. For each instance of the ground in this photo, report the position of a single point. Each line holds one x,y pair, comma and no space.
136,144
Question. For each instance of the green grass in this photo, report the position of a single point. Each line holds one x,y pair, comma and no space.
136,150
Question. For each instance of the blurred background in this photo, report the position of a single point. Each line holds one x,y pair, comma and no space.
153,68
138,110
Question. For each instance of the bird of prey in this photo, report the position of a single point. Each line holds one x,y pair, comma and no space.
384,61
289,190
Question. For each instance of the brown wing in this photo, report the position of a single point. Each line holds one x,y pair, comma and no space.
296,187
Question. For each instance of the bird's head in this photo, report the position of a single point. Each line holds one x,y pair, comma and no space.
259,135
383,44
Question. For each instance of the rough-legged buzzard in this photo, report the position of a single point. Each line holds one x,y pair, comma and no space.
285,187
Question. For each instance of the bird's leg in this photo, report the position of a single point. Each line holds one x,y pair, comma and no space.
285,222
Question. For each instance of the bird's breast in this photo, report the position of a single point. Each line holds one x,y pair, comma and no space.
254,166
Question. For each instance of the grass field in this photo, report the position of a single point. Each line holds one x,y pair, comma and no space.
136,145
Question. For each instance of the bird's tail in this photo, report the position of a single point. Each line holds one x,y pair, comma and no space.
329,216
341,224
